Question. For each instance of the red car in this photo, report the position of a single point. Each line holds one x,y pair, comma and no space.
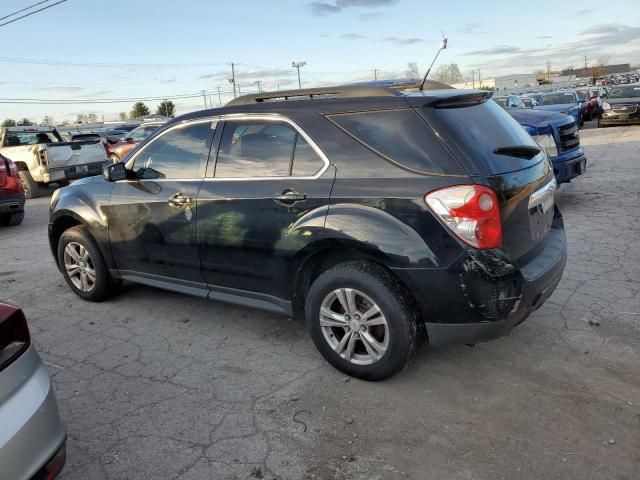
12,196
592,106
118,150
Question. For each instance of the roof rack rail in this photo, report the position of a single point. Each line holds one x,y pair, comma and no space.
347,91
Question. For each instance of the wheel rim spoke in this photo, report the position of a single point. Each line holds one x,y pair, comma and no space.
372,345
339,348
329,318
373,316
350,346
71,251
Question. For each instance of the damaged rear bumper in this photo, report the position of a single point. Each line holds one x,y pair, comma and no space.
481,297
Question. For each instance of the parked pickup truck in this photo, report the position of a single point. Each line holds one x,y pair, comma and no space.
43,157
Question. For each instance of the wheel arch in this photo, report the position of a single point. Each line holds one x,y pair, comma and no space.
323,255
63,221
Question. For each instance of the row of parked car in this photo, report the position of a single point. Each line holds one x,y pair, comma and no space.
584,103
620,79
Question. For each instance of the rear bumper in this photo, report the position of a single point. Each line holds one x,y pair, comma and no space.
481,298
75,172
569,165
13,204
32,432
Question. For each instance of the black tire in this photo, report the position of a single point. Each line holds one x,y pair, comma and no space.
600,124
388,294
104,286
32,189
12,219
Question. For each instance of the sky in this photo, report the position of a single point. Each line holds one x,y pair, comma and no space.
96,50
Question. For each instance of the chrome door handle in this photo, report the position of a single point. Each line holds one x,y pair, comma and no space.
178,200
289,197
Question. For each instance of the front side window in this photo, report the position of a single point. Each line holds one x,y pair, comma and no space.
259,148
175,154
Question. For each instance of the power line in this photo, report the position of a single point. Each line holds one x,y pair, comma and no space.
67,63
24,9
32,13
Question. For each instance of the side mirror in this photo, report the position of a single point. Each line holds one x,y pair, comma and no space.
114,172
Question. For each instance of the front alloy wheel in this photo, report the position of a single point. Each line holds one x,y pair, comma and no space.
79,267
354,326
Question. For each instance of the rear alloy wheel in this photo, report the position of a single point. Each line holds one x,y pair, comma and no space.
361,320
82,266
354,326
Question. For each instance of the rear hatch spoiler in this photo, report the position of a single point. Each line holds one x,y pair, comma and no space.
448,98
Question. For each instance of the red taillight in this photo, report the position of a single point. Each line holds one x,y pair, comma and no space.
14,335
471,212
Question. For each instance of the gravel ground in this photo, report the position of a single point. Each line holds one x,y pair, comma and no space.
156,385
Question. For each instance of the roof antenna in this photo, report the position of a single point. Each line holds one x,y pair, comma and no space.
441,46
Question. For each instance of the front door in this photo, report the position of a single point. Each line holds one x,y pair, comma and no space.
263,201
152,214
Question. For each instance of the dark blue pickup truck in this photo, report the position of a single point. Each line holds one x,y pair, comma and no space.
558,135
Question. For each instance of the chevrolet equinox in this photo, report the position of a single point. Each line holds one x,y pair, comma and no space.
382,216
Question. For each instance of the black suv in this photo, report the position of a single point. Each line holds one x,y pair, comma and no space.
379,215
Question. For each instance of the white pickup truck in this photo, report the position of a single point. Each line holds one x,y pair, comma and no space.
43,157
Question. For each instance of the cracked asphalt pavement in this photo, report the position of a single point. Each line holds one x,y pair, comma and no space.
156,385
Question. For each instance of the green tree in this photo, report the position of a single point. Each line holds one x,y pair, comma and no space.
122,116
166,108
25,122
9,122
139,110
449,73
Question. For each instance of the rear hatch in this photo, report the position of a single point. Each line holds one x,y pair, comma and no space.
496,151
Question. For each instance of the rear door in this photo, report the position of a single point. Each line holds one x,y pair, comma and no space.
152,215
264,200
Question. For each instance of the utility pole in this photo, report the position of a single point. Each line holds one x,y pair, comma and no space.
473,78
375,74
219,96
259,86
298,65
479,80
548,71
585,66
204,95
232,80
239,92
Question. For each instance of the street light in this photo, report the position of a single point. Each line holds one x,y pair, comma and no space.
298,65
441,46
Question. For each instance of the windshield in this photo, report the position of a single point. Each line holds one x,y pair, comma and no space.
558,98
624,92
502,101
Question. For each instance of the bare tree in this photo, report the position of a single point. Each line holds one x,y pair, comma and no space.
413,72
122,116
47,121
449,73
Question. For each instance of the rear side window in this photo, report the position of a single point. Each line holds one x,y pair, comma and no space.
402,137
258,149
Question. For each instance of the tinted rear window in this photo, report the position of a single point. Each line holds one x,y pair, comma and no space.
402,137
477,131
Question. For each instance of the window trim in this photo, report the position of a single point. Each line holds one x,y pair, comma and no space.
270,117
183,124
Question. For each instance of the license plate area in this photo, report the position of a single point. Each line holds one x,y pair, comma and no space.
541,209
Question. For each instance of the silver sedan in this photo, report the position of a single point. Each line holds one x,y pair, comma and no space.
32,435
